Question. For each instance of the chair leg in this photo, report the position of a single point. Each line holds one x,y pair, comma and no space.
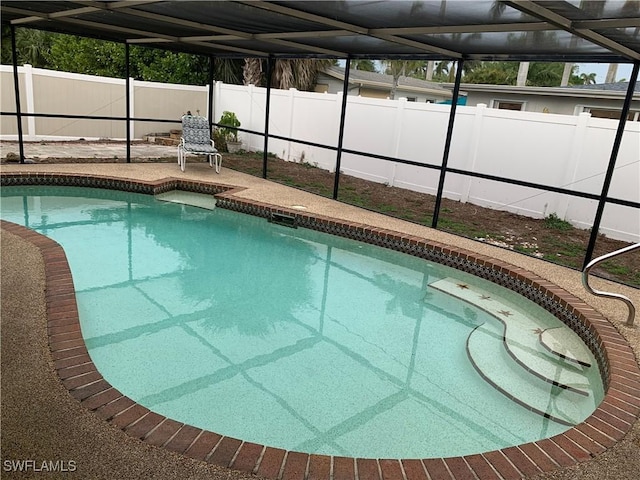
183,160
218,160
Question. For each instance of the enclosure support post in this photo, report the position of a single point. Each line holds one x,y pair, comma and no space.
265,150
343,111
447,143
16,85
128,100
612,164
210,106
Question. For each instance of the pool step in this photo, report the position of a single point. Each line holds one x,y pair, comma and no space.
522,333
541,366
488,356
188,198
562,343
527,350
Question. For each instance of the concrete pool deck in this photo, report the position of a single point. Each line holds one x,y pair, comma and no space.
41,421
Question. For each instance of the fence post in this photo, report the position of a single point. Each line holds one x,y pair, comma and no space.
292,99
474,145
251,91
573,165
16,87
216,100
395,138
29,98
132,109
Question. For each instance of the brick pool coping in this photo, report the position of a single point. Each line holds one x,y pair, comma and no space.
607,425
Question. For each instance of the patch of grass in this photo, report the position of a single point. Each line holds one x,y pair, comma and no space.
388,208
459,228
525,250
553,222
615,268
287,180
564,248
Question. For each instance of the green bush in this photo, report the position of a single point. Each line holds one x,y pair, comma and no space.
229,123
554,222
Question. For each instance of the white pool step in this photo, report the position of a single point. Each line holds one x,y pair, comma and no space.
561,362
490,359
537,364
188,198
565,344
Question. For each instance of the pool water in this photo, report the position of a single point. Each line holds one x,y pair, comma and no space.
305,341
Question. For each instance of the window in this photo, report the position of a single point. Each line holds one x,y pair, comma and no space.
508,105
611,113
411,99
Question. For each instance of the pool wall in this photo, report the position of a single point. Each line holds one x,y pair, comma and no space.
606,426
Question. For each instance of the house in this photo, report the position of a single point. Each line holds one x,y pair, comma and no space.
378,85
601,100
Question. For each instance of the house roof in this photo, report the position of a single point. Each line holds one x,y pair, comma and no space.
554,30
583,91
609,87
384,81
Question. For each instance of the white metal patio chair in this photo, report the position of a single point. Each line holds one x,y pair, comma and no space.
196,140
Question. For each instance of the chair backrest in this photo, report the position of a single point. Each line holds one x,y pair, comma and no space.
195,130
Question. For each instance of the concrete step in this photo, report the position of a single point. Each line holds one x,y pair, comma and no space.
563,360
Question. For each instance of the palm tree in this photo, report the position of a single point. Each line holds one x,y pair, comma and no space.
252,71
398,68
296,73
429,72
33,46
588,78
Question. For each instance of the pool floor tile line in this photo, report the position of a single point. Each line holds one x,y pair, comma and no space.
611,421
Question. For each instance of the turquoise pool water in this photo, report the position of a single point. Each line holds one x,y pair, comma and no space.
304,341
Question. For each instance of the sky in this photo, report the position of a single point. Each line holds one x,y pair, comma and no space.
600,69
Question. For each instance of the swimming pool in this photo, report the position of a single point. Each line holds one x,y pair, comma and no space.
384,342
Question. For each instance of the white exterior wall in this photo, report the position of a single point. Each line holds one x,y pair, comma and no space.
560,150
547,103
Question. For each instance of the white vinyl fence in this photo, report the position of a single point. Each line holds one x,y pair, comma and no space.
563,151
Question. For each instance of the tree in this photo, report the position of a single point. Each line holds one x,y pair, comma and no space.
588,78
252,71
398,68
441,71
494,73
287,73
32,46
541,74
96,57
70,53
364,65
228,70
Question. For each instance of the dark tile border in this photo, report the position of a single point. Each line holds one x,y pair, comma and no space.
609,423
